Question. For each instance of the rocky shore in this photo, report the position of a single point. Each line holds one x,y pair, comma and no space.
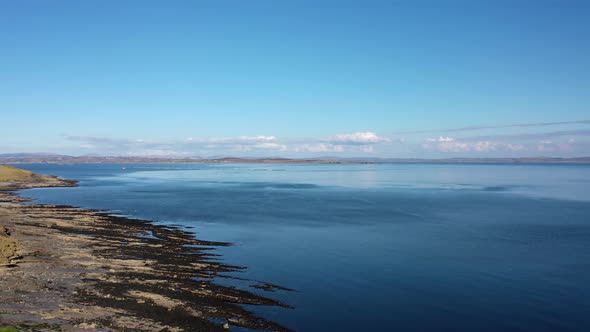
69,269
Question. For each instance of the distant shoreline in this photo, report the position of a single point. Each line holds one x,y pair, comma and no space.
63,159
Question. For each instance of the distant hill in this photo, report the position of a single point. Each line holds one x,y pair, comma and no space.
22,158
33,155
33,158
519,160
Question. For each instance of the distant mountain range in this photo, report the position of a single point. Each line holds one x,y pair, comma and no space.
33,158
39,158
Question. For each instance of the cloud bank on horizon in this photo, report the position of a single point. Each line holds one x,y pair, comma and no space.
565,143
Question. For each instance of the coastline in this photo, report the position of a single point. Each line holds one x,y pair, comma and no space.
80,269
24,158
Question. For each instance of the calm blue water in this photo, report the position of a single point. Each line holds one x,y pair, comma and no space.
424,247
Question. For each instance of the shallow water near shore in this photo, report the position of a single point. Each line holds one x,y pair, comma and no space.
407,247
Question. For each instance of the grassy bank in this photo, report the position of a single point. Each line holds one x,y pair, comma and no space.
13,174
9,247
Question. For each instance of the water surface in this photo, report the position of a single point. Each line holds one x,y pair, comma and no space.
395,247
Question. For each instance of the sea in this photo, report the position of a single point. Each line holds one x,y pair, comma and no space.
375,247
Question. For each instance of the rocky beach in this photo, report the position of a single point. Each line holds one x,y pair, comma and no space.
64,268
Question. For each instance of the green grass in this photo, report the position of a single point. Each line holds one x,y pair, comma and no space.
13,174
30,328
8,329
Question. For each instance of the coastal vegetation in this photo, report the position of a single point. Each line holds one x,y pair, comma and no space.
10,247
13,174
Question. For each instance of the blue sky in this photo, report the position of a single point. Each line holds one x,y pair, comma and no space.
296,78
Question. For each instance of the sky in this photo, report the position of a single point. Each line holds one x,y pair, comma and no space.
296,78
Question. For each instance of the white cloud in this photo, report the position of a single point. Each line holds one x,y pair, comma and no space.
354,144
157,153
328,147
367,149
487,127
257,138
440,139
550,146
452,147
319,147
232,140
359,138
262,146
447,144
187,146
273,146
515,147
